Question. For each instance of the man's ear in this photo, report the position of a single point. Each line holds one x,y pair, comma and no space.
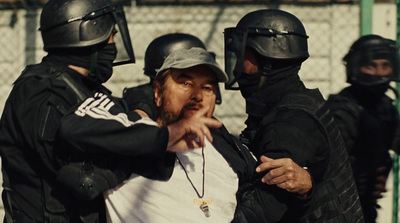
157,94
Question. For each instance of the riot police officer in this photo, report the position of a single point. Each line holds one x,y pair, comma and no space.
154,57
76,35
366,116
59,121
288,123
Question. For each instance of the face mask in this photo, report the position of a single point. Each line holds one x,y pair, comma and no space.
371,80
105,59
372,92
248,83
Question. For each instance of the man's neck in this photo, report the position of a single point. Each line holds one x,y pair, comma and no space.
81,70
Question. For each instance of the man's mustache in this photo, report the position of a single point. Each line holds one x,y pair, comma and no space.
190,106
193,105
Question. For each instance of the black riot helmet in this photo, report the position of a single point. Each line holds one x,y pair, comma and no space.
162,46
363,51
271,33
71,24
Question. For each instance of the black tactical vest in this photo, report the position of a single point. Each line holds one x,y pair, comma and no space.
55,198
335,198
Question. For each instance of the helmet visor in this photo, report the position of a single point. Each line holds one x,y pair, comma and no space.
235,45
125,50
364,58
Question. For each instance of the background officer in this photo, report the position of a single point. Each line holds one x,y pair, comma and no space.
366,117
60,123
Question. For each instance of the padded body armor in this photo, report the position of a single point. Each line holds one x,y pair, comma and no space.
335,197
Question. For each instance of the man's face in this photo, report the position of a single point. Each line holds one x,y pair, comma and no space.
250,65
379,67
185,92
111,39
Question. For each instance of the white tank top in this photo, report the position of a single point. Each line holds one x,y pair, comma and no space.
140,199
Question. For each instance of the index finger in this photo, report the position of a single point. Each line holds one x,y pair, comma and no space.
211,122
204,129
203,111
268,163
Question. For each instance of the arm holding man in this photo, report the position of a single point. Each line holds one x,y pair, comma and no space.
286,174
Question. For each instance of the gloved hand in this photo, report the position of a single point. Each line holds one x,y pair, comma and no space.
380,183
142,98
87,181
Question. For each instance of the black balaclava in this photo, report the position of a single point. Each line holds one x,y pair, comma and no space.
83,57
105,59
248,83
262,88
374,91
370,93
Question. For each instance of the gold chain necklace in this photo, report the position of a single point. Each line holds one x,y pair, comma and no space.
203,206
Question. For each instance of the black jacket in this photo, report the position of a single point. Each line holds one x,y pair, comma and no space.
248,209
35,111
295,124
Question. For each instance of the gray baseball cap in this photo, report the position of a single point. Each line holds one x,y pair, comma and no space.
186,58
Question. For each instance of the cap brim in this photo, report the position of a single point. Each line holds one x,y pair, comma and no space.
220,74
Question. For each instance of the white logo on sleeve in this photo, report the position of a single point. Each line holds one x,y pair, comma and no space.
99,106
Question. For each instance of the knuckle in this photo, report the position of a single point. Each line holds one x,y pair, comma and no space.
290,185
271,173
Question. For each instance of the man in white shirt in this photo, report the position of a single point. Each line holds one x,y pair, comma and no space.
203,184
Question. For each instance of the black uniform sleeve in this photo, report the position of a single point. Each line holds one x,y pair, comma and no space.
99,125
98,145
34,113
293,134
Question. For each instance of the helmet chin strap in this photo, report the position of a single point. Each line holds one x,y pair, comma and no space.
93,64
265,71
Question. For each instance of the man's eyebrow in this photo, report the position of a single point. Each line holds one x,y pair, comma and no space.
387,62
184,75
213,82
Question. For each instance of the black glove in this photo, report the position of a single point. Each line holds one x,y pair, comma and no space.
87,181
142,98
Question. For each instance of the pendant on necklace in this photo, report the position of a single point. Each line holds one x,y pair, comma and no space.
205,209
